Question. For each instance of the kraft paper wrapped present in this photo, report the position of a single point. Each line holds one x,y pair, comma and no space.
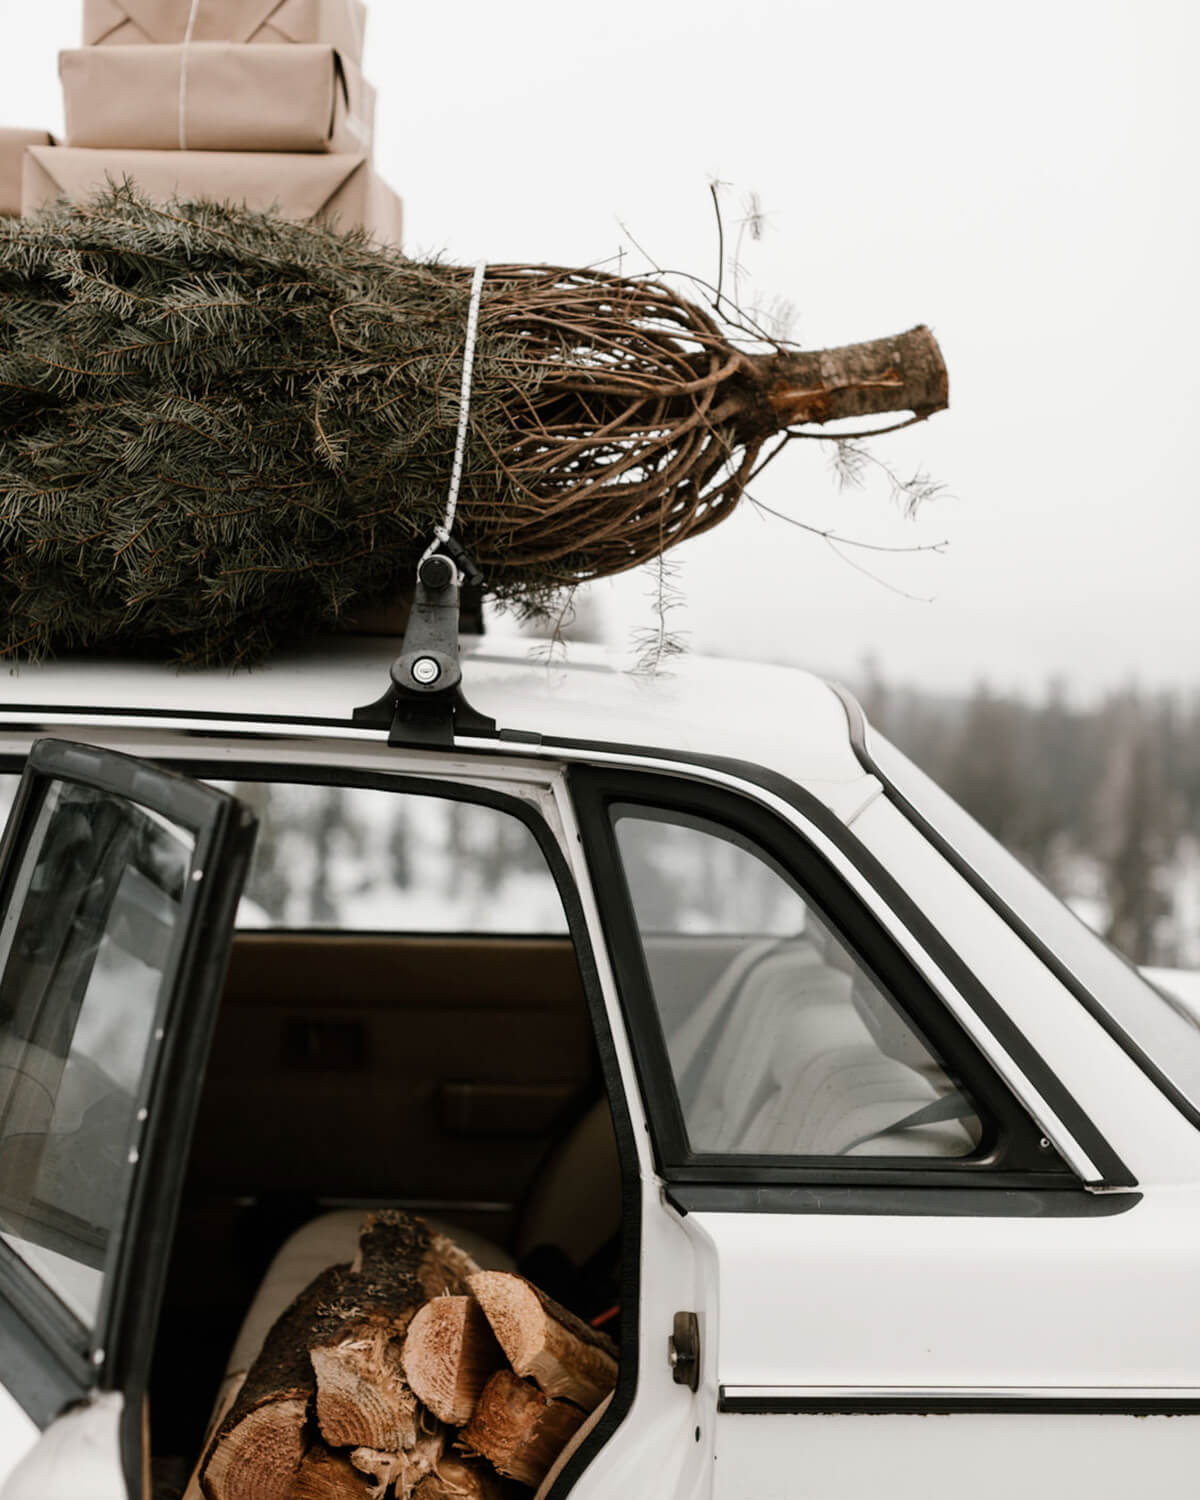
123,23
12,150
342,189
216,96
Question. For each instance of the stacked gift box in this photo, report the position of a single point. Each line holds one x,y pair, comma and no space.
259,102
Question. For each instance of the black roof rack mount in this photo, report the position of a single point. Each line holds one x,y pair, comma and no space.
424,704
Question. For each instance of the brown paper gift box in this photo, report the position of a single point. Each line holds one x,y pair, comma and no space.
216,96
12,150
339,23
341,188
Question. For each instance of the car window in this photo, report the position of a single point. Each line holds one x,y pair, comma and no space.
85,949
780,1040
361,859
1165,1029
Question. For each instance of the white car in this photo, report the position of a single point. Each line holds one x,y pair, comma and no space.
691,994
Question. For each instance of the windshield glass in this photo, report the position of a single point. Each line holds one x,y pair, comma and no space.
1160,1026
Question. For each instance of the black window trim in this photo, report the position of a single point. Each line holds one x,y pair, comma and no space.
595,789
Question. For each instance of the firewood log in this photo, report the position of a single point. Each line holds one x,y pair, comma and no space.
260,1444
462,1478
328,1476
519,1430
544,1341
449,1354
406,1470
363,1398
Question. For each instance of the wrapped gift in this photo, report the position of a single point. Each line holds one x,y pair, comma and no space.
12,150
338,23
341,188
216,96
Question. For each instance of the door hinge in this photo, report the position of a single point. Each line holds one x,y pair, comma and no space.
683,1350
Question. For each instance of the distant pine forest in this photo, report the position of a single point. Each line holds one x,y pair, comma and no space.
1102,801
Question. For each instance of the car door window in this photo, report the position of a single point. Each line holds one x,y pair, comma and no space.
84,949
781,1041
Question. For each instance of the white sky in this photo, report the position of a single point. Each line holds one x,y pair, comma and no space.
1020,177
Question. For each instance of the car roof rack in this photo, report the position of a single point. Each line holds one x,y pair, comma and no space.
424,705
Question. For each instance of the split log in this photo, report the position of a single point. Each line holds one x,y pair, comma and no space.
450,1353
461,1478
562,1353
519,1430
363,1398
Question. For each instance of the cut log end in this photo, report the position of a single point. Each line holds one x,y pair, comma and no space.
363,1399
561,1353
260,1457
450,1353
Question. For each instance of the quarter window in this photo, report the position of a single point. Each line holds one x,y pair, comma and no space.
781,1041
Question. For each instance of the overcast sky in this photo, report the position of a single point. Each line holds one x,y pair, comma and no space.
1020,177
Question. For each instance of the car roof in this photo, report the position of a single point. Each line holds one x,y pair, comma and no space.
781,718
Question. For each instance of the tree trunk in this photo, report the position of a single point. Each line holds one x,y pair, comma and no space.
563,1354
901,373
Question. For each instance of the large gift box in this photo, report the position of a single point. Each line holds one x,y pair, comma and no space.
216,96
339,23
342,188
12,150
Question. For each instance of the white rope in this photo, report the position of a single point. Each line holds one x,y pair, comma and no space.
183,72
442,534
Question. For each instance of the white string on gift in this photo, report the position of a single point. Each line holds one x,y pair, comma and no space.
183,72
442,534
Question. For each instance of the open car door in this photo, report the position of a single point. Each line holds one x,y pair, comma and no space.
118,888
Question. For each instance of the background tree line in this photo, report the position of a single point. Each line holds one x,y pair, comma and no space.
1101,800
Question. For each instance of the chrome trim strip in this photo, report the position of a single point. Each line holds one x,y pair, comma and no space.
802,1393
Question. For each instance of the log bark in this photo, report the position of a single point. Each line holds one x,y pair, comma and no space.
902,373
450,1353
259,1445
544,1341
519,1430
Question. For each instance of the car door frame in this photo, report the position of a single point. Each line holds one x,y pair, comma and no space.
49,1359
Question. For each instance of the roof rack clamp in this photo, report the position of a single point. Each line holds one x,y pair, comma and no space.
425,705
